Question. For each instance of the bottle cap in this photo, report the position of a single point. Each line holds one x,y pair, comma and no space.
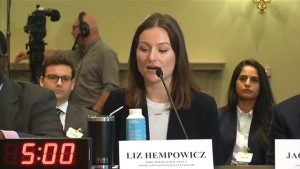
135,111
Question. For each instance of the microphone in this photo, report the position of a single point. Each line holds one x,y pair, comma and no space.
53,13
160,74
74,45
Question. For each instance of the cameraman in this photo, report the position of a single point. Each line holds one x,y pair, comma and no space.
97,65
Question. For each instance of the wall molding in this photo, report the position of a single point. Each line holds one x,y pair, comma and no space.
199,66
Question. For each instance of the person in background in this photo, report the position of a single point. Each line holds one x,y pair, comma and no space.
4,52
58,75
96,64
26,110
159,42
285,124
245,120
3,43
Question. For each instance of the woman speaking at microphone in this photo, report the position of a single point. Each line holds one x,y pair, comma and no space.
158,45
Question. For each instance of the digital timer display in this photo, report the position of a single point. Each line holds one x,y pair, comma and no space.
45,153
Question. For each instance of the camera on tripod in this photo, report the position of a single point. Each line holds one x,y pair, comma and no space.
36,28
36,22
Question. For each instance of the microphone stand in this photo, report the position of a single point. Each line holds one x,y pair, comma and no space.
159,73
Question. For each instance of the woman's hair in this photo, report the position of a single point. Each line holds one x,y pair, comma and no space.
182,82
262,110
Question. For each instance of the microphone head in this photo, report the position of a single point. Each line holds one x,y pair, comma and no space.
159,72
54,15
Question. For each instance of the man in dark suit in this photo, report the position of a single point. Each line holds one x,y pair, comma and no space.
285,123
26,110
58,75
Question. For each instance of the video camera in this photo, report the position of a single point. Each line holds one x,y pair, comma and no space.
36,22
36,28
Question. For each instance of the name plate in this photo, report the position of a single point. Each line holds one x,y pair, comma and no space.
164,154
287,154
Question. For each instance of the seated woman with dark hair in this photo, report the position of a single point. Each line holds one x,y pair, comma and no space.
245,120
159,42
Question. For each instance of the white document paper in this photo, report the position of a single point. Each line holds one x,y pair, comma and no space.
287,154
166,154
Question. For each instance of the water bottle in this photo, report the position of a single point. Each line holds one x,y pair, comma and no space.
135,125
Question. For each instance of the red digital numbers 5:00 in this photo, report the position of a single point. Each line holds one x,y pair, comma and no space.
45,154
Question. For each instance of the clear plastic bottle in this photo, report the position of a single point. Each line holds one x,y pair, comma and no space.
135,125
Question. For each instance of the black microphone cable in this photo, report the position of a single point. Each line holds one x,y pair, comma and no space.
160,74
74,45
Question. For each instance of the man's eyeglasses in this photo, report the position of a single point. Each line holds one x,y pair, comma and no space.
54,78
75,26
